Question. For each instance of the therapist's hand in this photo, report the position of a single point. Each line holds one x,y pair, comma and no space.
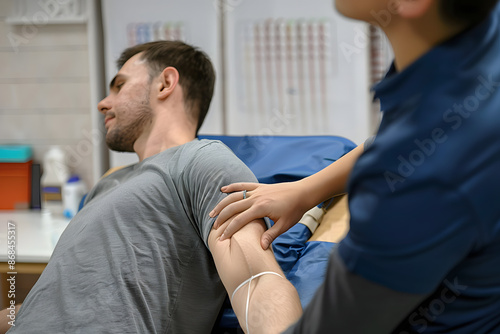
284,203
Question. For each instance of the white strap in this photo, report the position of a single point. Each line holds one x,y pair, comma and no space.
249,281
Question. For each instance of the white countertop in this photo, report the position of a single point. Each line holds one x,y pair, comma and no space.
36,234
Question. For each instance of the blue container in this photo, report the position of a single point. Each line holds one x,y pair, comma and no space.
15,153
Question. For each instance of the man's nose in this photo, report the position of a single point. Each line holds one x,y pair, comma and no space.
104,105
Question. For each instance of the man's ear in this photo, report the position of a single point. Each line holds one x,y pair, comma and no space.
413,9
169,79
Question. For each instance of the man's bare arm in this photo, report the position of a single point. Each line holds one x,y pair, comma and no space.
6,318
274,303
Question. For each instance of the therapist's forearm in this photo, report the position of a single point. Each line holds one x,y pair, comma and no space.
332,180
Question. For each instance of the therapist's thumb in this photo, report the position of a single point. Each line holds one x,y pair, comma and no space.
269,236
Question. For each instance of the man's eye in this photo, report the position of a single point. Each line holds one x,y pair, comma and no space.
119,85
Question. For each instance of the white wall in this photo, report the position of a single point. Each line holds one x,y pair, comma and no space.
45,87
292,71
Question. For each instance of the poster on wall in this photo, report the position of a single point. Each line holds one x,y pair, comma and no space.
296,67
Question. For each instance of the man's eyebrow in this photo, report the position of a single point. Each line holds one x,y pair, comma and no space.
113,82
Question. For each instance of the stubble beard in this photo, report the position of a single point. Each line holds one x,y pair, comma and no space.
123,136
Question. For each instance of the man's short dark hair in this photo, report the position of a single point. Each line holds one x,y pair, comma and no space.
196,73
468,12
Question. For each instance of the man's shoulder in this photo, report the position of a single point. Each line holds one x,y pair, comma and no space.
206,144
206,150
197,156
212,157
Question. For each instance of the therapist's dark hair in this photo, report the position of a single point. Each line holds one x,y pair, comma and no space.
467,12
196,72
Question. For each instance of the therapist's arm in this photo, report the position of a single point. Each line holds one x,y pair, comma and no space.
349,303
284,203
274,303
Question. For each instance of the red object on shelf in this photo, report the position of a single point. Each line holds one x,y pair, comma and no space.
15,185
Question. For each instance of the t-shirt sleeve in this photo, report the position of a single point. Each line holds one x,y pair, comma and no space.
407,239
212,167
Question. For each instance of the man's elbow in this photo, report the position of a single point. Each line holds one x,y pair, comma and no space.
274,305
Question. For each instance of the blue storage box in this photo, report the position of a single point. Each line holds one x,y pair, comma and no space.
15,153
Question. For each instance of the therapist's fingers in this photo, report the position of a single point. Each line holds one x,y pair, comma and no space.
275,231
239,191
228,207
240,186
239,221
231,198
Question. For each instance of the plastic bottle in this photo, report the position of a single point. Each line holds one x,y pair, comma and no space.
72,193
54,164
55,174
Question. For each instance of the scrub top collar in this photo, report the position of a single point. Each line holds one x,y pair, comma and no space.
455,55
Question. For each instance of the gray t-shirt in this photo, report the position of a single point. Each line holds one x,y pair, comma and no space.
135,259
